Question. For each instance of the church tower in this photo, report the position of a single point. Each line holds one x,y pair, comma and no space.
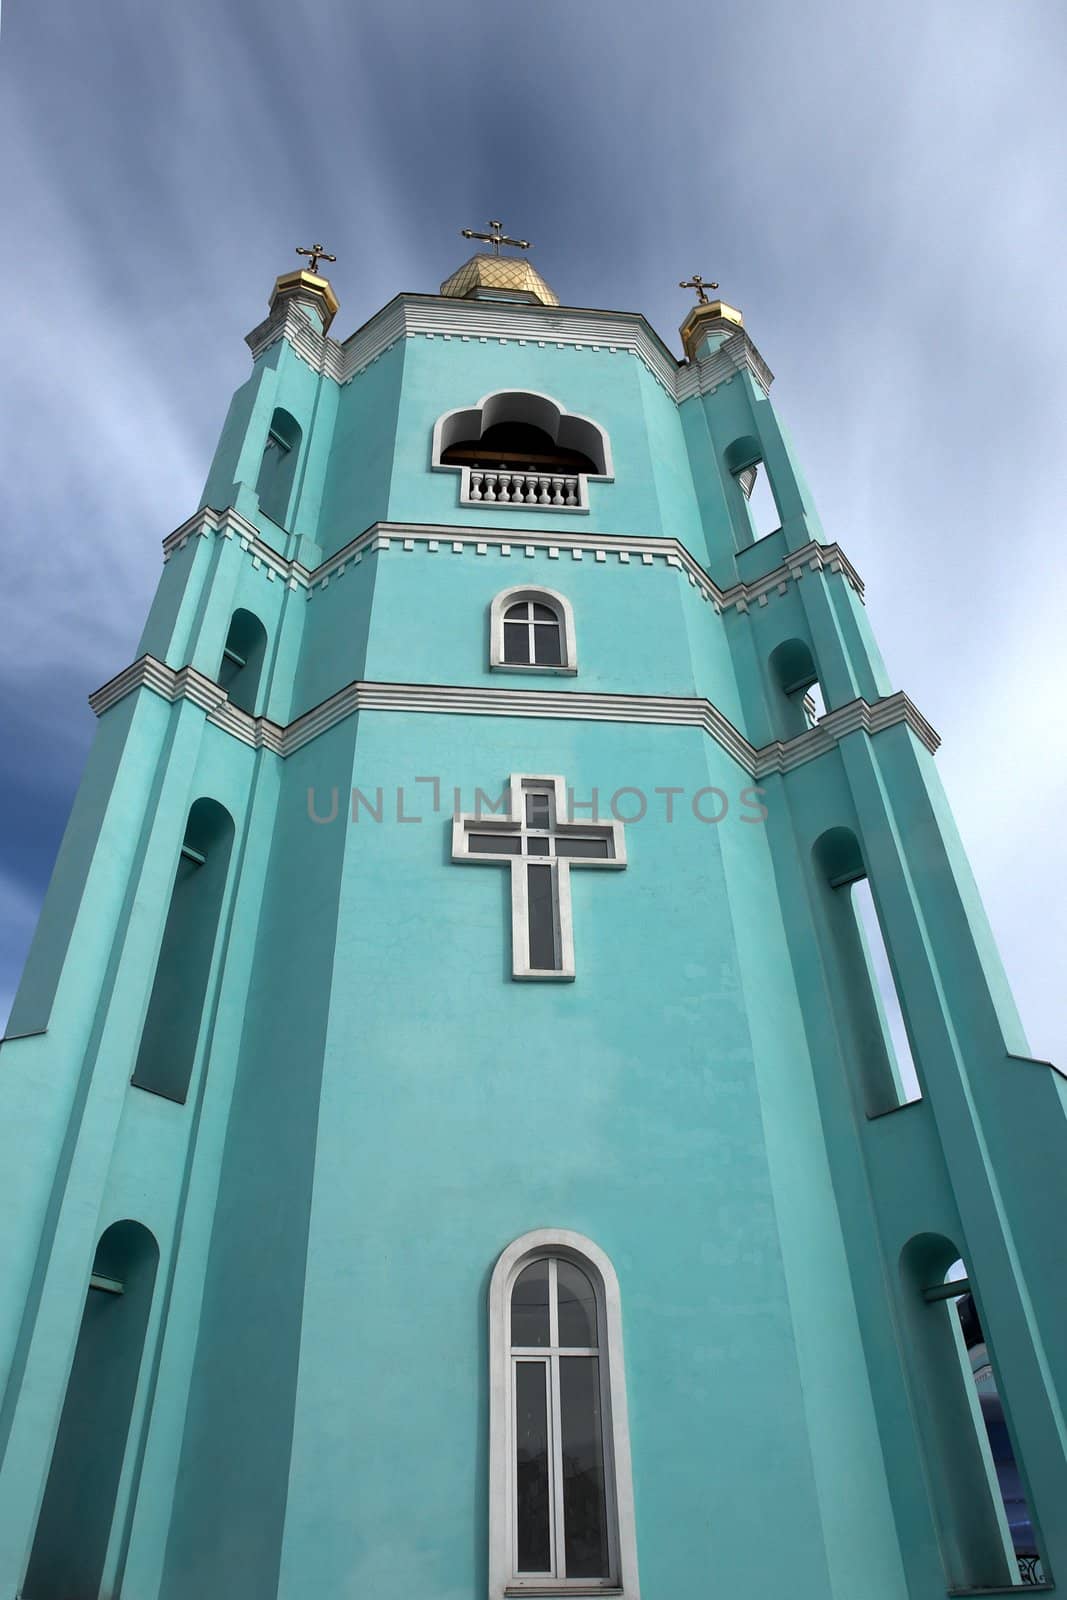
513,1092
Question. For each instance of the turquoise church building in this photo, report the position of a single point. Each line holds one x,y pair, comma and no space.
513,1092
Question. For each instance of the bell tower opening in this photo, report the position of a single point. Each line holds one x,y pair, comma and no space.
518,445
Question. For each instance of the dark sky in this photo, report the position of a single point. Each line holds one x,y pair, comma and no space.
880,190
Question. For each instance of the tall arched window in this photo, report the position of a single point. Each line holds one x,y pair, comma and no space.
277,470
532,630
561,1502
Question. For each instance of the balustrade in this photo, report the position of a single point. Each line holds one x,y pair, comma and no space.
523,488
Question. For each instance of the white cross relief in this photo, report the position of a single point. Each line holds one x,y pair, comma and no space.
540,847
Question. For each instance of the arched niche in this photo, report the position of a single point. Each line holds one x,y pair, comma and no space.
838,856
243,655
78,1510
179,991
794,676
277,469
743,453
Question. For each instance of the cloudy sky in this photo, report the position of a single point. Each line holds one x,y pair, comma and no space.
879,188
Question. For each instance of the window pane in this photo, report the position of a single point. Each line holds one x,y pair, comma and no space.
584,1517
537,810
534,1549
529,1306
521,611
582,847
577,1306
543,613
546,646
542,919
494,844
516,642
537,844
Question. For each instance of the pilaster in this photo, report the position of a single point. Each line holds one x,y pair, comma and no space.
986,1131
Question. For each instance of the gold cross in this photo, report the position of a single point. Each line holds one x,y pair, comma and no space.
317,254
696,282
495,237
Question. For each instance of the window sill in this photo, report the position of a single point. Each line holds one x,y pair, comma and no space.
876,1116
1007,1588
513,1590
531,666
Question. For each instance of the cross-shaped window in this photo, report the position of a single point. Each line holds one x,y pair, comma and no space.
540,847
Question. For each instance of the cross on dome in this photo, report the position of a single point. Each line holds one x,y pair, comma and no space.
495,237
317,252
697,282
540,848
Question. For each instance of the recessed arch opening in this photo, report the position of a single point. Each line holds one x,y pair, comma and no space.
797,693
277,469
176,1005
988,1537
759,505
520,447
243,656
864,982
78,1509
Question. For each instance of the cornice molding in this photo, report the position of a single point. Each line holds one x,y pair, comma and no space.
404,536
857,716
500,322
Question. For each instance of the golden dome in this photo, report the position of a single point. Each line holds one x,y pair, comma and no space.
491,276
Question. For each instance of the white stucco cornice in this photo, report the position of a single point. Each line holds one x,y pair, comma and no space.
479,701
438,538
411,316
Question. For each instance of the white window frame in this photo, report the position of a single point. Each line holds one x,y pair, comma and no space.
544,597
504,1581
520,405
520,786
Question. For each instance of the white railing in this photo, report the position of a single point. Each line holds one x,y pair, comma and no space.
524,488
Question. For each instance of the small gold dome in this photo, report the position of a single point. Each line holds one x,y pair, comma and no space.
308,289
709,319
491,276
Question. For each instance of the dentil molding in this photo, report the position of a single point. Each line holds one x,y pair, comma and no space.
444,538
780,756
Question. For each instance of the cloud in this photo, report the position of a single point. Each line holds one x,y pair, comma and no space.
881,201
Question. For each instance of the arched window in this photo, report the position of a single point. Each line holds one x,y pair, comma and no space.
797,692
866,989
242,660
75,1521
988,1538
531,630
179,989
520,448
277,470
561,1502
